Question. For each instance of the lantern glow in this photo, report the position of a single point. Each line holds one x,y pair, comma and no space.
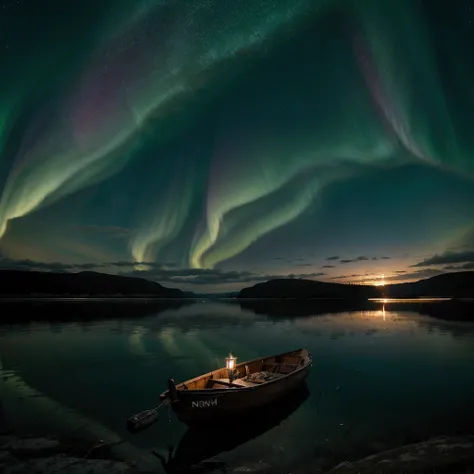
230,362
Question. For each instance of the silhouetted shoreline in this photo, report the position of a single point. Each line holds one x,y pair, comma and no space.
83,284
447,285
34,284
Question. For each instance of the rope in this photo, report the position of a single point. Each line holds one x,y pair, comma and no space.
94,446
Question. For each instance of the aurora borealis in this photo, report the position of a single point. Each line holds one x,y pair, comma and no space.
208,142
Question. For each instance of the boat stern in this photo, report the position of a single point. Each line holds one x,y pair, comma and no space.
171,394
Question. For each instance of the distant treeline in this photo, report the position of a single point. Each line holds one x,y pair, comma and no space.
448,285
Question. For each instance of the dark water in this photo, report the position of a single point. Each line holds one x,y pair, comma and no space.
381,377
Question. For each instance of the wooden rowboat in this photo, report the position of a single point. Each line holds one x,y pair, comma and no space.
200,446
228,393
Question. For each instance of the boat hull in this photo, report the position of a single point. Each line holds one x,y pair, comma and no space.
218,406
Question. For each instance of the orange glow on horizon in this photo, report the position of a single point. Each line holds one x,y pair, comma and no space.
380,283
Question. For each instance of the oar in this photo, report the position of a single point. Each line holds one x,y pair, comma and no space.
145,418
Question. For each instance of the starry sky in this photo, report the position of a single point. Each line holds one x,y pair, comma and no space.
209,144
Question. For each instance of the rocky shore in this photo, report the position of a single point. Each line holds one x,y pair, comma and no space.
453,455
38,455
35,455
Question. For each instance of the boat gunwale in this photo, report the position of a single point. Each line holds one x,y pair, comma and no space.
215,391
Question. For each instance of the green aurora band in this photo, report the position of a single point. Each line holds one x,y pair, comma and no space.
276,100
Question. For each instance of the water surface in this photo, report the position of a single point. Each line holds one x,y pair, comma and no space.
380,377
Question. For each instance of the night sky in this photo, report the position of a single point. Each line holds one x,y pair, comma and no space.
209,144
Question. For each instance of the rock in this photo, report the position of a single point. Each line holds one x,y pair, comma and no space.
9,464
72,465
429,456
260,466
18,468
6,459
45,455
4,455
343,465
29,447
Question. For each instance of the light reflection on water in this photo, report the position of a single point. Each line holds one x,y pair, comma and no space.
408,300
380,376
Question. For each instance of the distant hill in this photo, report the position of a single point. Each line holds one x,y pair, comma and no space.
295,288
30,283
448,285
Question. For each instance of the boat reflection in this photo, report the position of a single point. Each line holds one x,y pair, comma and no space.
198,446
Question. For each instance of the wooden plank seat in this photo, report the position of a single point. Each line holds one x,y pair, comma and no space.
224,383
221,383
245,383
271,371
251,380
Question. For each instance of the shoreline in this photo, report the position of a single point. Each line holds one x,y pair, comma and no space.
43,454
442,454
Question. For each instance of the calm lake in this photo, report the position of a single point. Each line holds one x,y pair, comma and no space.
381,377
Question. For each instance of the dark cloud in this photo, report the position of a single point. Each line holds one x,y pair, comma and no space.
161,272
418,275
465,266
194,276
362,258
335,257
297,259
307,276
26,264
141,264
385,258
329,266
400,271
374,258
125,264
342,277
447,258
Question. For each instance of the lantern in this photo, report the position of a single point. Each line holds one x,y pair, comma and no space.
230,363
